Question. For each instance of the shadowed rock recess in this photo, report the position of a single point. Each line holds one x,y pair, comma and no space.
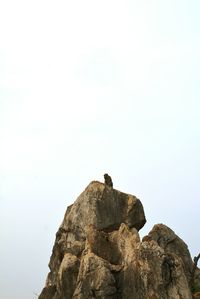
98,252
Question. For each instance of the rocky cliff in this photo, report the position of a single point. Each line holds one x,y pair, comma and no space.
98,252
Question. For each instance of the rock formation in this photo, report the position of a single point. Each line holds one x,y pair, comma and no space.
98,252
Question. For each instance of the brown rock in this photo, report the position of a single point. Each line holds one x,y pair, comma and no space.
67,275
95,279
171,243
105,209
147,238
98,253
197,295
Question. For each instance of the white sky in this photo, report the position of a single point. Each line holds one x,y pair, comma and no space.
88,87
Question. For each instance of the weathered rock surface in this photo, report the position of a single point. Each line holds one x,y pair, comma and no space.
105,208
98,252
171,243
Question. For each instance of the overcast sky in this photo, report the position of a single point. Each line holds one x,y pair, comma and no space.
88,87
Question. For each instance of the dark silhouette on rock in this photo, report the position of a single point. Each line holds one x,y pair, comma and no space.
194,282
108,180
98,252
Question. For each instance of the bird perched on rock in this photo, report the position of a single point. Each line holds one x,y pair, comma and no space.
108,180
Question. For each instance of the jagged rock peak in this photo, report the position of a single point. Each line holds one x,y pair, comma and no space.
98,252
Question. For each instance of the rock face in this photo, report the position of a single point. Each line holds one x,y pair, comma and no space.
98,252
171,243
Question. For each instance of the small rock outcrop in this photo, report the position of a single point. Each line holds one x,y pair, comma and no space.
171,243
98,252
